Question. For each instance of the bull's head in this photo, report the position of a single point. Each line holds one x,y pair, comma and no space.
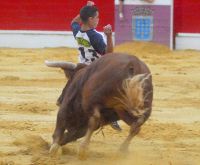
70,70
68,67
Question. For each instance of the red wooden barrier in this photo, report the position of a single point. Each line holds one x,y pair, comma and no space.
48,14
187,16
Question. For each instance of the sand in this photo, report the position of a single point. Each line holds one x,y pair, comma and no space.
28,93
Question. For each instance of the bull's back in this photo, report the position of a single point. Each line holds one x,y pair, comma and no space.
120,60
105,77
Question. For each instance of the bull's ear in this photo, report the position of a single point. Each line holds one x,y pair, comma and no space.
68,73
68,67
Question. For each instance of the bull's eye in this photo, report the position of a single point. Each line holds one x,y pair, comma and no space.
131,71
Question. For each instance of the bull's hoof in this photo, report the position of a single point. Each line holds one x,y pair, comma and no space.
55,150
82,154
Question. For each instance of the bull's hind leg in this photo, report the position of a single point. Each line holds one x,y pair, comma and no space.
134,130
92,125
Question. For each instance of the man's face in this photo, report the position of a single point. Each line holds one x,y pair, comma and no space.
93,21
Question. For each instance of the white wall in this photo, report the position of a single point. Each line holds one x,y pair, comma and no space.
188,41
36,39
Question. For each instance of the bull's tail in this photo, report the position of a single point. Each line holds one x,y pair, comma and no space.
132,95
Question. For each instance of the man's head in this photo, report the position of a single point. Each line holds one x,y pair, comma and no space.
90,15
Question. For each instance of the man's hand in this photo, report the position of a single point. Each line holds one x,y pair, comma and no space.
107,30
90,3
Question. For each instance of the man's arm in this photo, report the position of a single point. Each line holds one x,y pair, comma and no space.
108,33
109,47
75,25
76,19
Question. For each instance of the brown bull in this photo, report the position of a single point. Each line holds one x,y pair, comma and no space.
115,87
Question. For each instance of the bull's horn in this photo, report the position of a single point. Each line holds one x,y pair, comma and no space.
60,64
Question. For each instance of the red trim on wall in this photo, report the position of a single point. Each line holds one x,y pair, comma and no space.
187,16
48,14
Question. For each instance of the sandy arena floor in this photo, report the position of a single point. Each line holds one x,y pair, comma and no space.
29,89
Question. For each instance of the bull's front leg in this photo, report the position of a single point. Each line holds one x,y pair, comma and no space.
134,130
58,133
92,125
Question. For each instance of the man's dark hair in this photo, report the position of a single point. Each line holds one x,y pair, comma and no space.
86,12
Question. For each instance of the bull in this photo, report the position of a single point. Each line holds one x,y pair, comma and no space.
114,87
